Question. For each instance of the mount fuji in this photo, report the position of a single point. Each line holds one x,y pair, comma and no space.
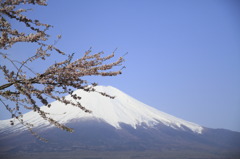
122,127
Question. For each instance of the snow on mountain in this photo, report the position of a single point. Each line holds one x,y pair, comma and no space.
121,109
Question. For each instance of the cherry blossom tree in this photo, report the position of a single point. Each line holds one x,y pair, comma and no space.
25,88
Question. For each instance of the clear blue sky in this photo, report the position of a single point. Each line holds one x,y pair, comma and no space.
183,56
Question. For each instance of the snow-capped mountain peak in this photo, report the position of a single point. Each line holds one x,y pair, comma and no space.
121,109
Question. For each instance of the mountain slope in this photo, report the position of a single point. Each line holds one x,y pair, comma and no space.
96,137
122,109
118,128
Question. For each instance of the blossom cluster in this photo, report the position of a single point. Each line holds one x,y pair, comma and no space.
26,92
